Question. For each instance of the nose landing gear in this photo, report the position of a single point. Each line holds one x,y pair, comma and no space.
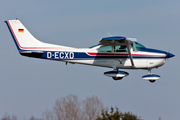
151,77
152,81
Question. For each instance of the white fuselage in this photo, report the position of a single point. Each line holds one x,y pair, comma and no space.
120,60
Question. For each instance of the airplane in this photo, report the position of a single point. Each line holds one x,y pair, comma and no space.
115,52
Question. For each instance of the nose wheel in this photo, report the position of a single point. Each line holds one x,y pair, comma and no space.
152,81
151,77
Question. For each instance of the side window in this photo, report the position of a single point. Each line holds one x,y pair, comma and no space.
105,49
120,48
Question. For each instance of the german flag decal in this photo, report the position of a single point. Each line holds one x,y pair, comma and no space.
21,30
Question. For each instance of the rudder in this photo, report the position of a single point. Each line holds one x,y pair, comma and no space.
22,37
24,40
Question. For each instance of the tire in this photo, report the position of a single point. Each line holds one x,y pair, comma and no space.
152,81
117,78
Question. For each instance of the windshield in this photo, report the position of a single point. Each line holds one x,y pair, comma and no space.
137,46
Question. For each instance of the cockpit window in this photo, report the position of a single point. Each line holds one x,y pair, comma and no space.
117,48
137,46
120,48
105,49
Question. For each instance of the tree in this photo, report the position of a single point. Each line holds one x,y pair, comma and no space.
33,118
116,115
68,108
113,115
129,116
71,108
7,117
92,107
14,117
49,115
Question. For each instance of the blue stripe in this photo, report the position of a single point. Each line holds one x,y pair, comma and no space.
84,56
12,35
150,75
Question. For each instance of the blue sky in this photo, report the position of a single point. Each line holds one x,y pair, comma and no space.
29,86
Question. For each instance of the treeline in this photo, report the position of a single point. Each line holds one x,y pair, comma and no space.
71,108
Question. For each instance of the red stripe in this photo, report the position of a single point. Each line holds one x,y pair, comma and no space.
116,54
30,47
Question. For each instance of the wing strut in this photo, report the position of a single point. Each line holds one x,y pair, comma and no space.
119,40
130,55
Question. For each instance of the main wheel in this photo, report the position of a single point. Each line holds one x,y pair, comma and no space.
117,78
152,81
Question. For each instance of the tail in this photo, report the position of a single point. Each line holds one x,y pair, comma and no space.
24,40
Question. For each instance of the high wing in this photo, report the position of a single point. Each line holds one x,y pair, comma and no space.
119,40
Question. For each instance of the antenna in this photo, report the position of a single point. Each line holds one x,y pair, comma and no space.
109,34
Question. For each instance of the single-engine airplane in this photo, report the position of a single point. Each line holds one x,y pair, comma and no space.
114,52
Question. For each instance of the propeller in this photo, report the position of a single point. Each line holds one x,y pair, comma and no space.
166,54
169,55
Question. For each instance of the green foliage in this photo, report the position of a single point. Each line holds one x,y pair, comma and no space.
129,116
116,115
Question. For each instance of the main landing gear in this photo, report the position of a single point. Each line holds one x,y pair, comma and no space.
117,78
116,75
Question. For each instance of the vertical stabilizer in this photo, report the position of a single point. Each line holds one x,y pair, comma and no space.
24,40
